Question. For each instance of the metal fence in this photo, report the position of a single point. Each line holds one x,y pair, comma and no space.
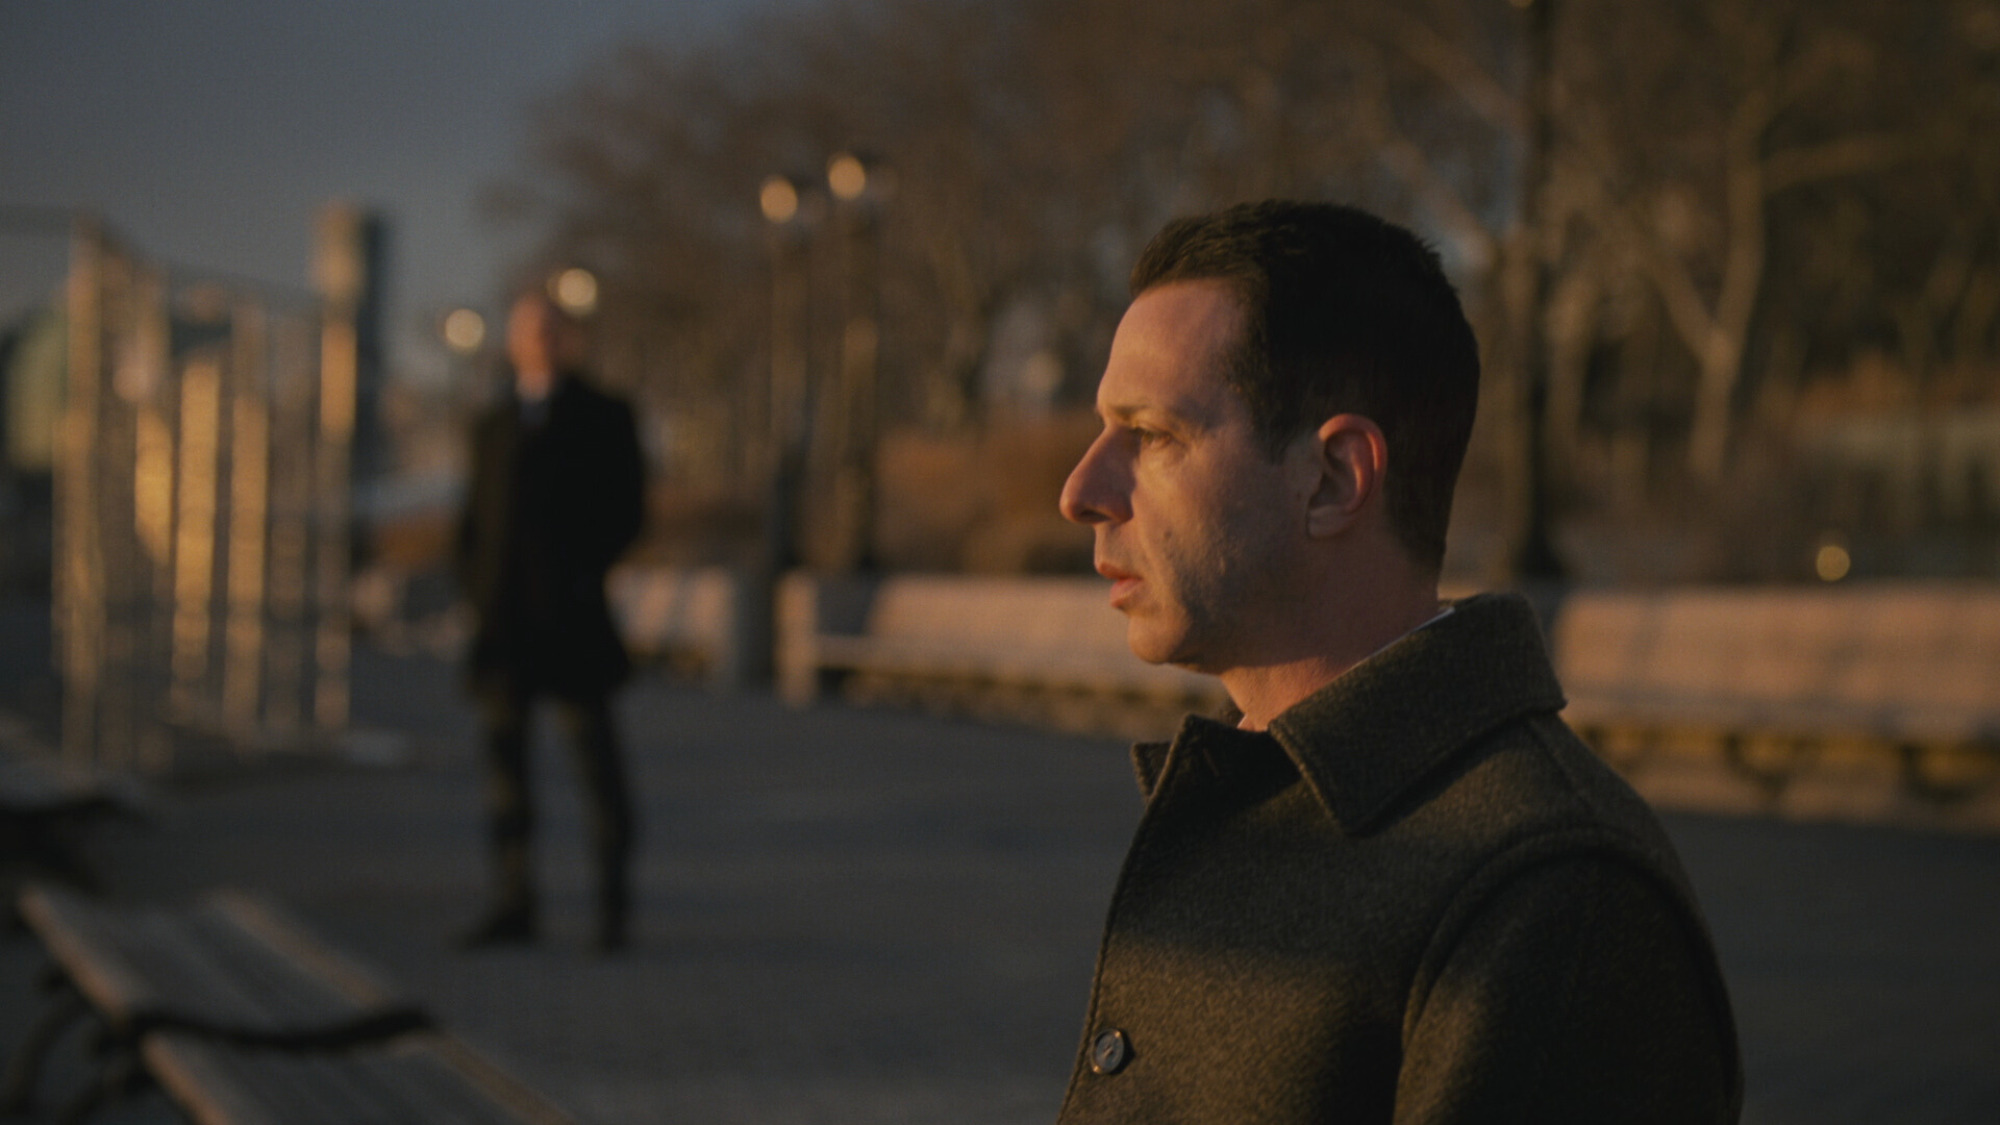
202,508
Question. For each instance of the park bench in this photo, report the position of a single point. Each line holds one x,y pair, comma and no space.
1050,649
242,1015
689,619
1871,702
1896,685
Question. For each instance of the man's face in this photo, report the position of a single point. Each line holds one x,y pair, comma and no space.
540,342
1198,529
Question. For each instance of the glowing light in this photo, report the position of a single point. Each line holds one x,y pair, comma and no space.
847,177
1832,562
575,289
464,331
779,199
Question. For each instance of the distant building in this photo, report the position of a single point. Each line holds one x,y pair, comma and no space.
351,272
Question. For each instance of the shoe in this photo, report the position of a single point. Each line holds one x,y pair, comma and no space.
507,925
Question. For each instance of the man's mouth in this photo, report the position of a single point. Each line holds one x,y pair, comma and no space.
1123,583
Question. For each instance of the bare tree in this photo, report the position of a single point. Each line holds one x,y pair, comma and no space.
1678,155
1729,186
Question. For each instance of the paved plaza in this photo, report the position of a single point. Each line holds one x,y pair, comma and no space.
865,916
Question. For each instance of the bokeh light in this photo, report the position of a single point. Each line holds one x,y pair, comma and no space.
464,330
1832,562
779,199
847,177
575,289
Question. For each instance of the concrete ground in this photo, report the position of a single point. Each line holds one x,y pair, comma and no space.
854,916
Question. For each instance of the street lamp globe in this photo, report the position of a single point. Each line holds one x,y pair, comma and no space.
846,177
575,289
463,330
778,199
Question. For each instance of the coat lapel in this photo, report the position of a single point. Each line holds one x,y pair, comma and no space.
1389,722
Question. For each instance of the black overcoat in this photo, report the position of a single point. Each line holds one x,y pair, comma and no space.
1416,899
551,503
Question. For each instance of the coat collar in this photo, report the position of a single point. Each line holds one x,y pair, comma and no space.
1387,723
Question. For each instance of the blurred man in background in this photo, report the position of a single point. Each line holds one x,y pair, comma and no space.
1391,886
555,495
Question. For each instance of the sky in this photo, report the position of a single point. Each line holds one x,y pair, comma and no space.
209,133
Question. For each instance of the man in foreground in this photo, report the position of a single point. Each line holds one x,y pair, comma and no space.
555,496
1394,887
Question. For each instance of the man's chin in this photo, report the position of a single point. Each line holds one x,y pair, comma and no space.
1154,648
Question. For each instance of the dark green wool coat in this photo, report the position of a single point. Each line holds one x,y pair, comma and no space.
548,508
1417,898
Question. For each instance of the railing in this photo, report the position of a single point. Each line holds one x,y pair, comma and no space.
202,508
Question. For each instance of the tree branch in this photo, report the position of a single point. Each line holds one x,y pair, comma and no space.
1453,66
1846,156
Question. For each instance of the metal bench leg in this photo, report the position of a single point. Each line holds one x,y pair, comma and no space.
17,1090
1771,771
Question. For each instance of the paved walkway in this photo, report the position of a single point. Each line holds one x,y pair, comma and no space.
870,917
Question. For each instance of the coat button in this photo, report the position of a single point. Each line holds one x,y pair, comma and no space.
1109,1051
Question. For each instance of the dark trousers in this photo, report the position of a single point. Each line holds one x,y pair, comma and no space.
508,712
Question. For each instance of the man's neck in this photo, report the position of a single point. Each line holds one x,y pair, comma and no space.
1363,628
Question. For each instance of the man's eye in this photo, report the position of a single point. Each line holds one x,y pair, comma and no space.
1147,437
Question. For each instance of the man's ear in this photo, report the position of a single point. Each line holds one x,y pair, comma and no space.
1353,459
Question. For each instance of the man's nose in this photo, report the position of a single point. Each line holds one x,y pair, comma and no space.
1095,491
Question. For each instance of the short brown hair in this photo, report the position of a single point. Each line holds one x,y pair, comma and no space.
1343,312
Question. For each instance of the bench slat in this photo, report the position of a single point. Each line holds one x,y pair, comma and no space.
229,966
424,1078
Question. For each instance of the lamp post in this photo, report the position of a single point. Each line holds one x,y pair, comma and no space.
853,183
463,333
1536,561
847,401
782,444
787,395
